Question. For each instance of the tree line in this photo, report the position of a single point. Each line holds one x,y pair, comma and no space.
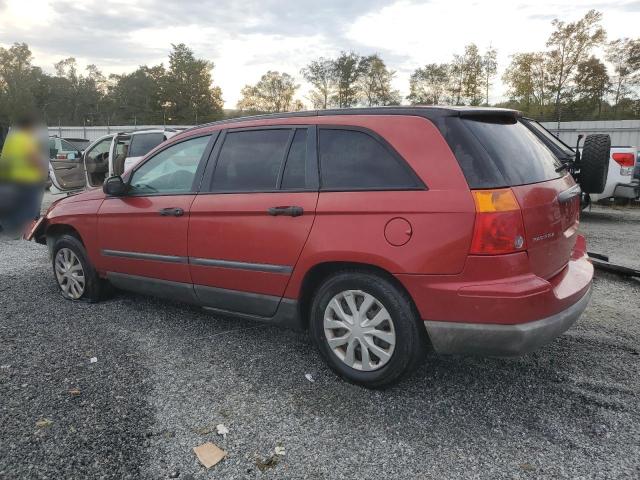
564,81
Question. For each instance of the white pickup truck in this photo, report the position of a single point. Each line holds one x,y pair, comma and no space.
621,182
601,170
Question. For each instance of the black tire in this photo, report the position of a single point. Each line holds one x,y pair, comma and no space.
93,285
594,163
411,338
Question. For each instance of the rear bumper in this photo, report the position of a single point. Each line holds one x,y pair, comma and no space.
497,306
627,190
502,340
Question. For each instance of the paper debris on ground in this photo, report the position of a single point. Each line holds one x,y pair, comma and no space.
222,430
209,454
309,377
44,423
93,359
74,392
280,451
269,462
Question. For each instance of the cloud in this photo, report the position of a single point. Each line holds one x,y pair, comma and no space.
245,38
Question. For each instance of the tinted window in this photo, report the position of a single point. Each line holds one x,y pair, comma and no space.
143,143
295,171
352,159
251,160
498,151
172,170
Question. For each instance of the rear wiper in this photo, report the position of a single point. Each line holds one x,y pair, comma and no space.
564,166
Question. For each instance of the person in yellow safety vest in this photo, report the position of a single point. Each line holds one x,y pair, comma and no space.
22,165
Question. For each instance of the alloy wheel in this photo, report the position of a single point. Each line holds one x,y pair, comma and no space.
359,330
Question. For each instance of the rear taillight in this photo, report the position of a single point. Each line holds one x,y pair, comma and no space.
624,159
499,227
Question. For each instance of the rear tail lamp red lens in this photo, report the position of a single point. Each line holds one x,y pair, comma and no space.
624,159
499,227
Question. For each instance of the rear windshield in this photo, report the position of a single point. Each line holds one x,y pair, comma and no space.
498,151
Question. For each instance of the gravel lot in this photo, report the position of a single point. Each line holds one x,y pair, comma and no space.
167,374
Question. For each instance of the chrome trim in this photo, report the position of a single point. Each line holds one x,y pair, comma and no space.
145,256
569,193
258,267
203,262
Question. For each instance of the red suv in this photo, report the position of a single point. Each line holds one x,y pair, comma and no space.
376,229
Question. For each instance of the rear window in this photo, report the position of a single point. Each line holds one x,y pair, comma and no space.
498,151
143,143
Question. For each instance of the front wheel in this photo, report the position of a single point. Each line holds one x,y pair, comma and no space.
366,328
74,273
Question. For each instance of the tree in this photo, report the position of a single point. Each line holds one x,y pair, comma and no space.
375,82
19,80
624,55
472,75
273,93
489,69
321,74
137,96
570,43
428,85
592,83
527,80
347,72
187,88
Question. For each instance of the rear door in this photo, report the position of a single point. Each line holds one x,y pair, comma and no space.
496,151
252,217
67,167
144,233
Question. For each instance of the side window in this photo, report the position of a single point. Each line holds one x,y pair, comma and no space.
97,153
351,159
295,171
143,143
170,171
250,160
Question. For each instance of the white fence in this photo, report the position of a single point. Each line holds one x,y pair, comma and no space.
93,133
624,133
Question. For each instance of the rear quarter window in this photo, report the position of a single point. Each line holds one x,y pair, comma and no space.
356,160
498,151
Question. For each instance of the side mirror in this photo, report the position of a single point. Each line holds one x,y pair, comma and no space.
114,186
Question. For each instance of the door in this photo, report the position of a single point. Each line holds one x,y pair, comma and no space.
96,161
143,235
66,166
252,217
119,153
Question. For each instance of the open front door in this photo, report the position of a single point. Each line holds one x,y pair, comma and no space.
66,168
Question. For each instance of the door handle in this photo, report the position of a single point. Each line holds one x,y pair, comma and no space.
171,212
291,211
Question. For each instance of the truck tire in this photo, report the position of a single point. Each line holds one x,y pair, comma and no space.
594,163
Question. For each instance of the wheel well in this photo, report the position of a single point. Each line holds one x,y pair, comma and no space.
318,273
57,230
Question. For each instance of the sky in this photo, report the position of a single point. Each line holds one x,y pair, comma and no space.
246,38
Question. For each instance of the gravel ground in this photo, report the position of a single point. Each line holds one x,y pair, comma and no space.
167,374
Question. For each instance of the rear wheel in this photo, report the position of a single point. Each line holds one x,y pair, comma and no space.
74,273
594,163
366,328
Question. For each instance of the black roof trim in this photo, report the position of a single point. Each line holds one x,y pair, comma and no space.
429,112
